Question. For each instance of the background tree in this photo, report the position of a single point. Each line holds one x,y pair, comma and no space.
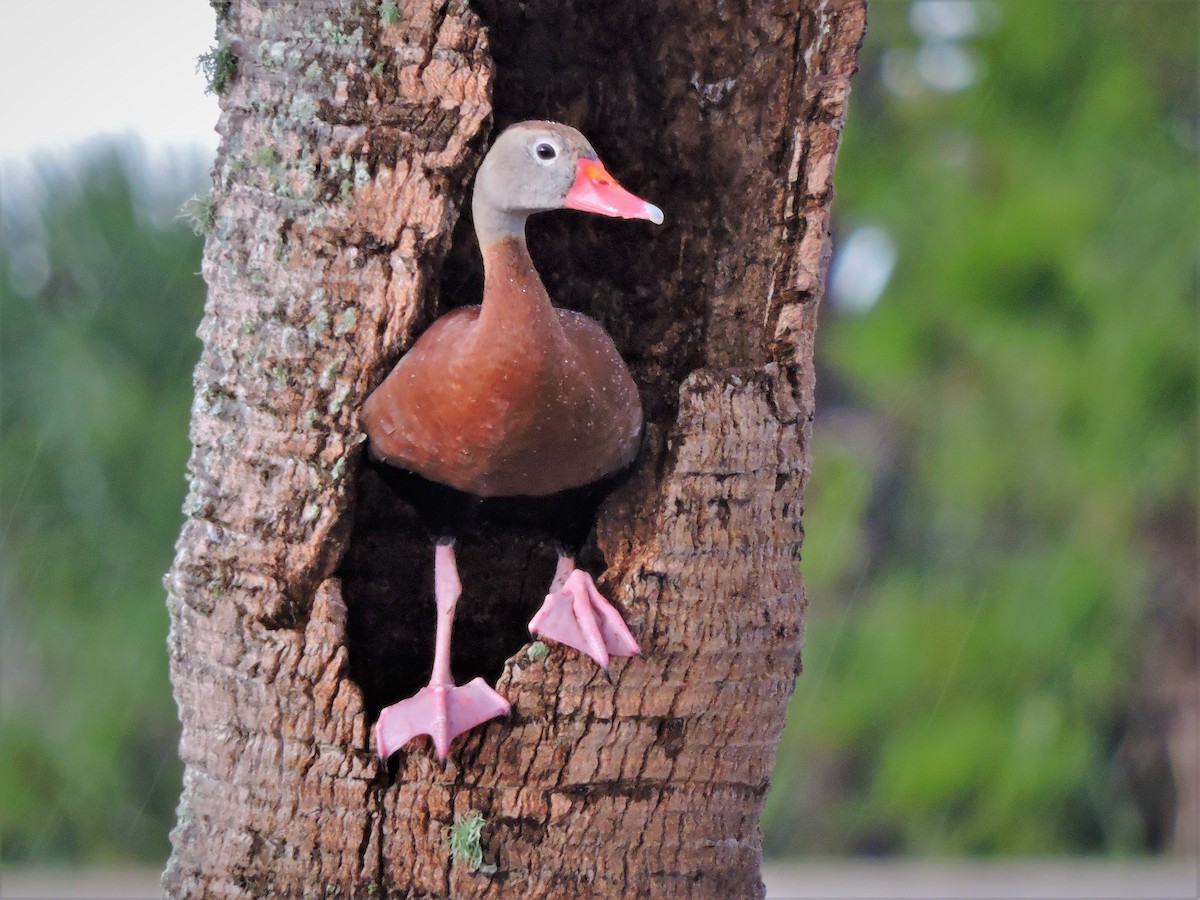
98,302
298,608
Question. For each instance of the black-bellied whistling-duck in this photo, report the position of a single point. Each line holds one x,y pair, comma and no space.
512,412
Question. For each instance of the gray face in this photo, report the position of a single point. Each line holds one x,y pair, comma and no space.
530,168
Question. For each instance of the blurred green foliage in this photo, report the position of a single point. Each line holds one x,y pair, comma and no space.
992,439
996,436
99,301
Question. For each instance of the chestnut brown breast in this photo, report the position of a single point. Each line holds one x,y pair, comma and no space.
511,398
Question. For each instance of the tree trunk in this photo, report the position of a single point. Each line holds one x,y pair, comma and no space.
300,596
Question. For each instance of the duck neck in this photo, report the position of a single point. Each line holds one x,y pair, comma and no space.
492,223
514,298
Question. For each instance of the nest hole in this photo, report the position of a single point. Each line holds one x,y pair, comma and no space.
387,582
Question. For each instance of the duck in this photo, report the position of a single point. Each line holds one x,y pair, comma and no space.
511,412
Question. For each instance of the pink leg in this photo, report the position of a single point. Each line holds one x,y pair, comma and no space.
440,710
576,614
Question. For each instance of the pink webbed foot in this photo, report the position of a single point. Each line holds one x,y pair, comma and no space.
576,614
441,711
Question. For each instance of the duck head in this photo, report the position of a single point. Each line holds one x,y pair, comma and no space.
539,166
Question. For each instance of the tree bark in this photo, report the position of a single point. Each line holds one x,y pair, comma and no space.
300,595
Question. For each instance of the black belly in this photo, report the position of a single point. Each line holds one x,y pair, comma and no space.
566,517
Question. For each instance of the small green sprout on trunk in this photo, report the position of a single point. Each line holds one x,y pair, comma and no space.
199,212
466,840
218,66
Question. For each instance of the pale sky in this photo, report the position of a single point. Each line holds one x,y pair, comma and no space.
71,69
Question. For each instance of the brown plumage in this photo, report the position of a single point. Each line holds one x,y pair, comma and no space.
513,397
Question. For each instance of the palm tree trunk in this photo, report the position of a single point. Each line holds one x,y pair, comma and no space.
300,598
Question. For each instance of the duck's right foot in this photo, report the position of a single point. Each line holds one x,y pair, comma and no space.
578,615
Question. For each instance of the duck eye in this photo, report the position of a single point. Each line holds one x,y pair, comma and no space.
545,151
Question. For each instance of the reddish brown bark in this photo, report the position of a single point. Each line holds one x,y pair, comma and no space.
299,596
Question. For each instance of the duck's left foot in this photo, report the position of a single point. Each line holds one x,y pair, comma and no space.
576,614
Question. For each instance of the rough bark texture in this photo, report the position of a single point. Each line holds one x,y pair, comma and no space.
300,596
